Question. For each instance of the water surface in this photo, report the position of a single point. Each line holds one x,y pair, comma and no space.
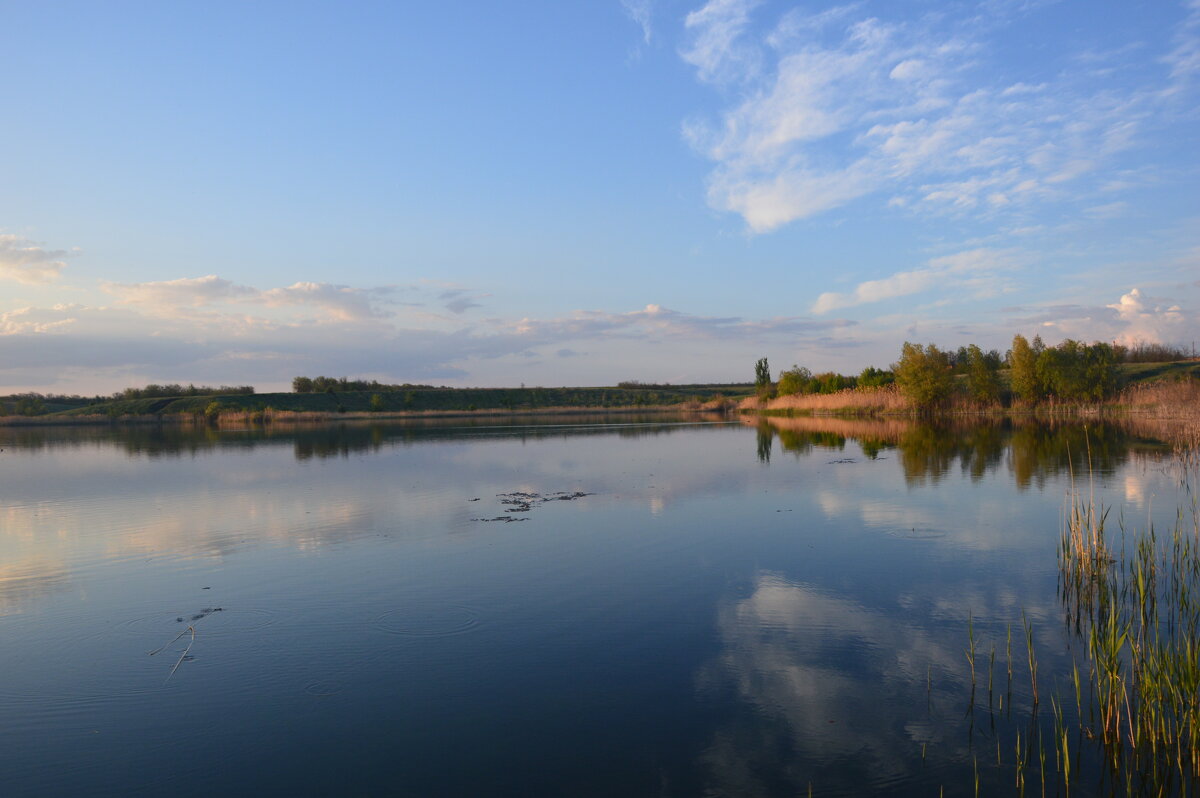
730,609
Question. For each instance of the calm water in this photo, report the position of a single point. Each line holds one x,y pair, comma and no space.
730,610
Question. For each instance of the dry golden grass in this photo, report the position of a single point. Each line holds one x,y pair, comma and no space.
857,401
1164,399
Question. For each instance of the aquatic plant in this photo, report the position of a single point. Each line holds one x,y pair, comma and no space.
1132,610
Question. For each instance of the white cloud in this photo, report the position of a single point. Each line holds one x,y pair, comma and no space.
26,262
837,106
975,269
640,11
210,329
341,302
716,49
1147,320
1136,317
188,291
171,297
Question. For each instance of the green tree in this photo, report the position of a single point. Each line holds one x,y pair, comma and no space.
762,379
1023,370
795,380
762,373
924,375
872,377
1079,372
30,405
983,380
302,385
376,402
832,382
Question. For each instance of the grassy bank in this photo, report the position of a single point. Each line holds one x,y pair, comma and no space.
1157,389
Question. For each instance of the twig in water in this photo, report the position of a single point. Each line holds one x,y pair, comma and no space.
182,656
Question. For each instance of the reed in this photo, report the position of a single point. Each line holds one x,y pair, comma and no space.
1132,611
852,401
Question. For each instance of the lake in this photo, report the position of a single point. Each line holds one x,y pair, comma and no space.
623,606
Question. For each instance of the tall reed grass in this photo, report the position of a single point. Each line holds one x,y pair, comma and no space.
853,401
1132,607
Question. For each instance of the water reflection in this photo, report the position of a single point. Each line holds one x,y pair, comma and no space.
24,582
336,439
728,621
835,693
1033,451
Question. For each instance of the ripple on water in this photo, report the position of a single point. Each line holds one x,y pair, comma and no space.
222,619
428,620
323,688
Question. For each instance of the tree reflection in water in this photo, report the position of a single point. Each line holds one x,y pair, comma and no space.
1033,451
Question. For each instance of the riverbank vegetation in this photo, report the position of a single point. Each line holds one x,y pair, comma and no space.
1031,377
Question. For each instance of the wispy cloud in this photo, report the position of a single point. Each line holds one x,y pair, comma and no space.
841,105
976,270
717,48
26,262
641,12
655,321
188,291
210,328
168,297
460,300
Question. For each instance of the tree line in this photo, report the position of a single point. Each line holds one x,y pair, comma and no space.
342,384
171,390
799,380
929,377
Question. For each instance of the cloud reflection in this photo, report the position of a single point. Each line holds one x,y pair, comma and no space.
809,669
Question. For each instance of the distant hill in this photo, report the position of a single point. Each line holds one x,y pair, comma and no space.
423,399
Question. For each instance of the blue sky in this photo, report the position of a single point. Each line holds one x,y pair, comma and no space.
561,193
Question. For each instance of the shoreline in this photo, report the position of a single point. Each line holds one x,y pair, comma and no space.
311,416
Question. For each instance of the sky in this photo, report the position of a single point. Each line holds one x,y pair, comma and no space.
579,193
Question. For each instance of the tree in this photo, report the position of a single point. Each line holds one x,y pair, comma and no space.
924,375
872,377
1076,371
1023,370
762,379
797,379
762,374
302,385
983,380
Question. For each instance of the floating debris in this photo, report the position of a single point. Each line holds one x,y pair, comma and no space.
204,613
186,656
523,501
